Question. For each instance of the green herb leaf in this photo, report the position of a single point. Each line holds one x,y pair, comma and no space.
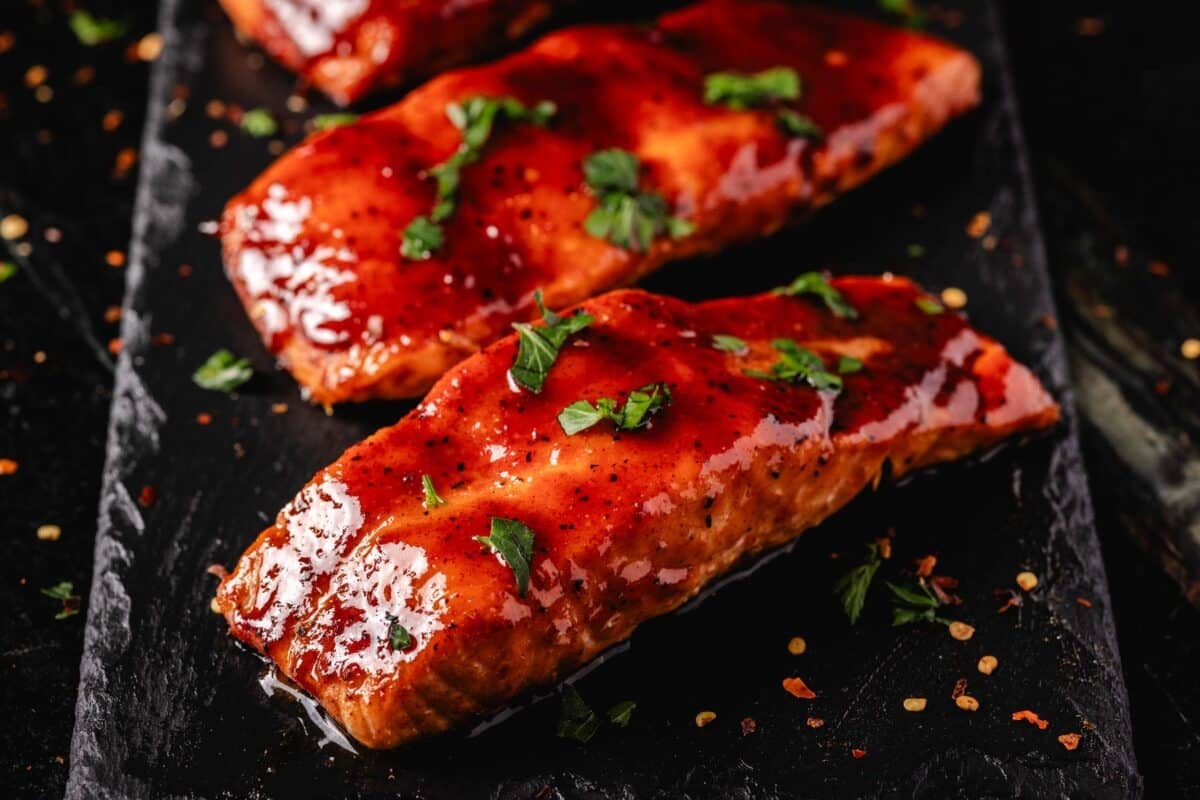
259,123
421,239
916,603
848,364
814,283
576,720
913,16
920,597
223,372
739,91
91,31
323,122
930,306
476,117
621,713
625,216
730,344
538,348
852,587
799,364
7,270
915,250
432,498
798,126
639,407
513,541
398,636
63,590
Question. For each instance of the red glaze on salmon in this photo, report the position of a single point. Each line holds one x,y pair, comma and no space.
349,48
627,525
313,245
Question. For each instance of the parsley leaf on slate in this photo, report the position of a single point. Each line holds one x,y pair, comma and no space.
852,587
91,31
911,604
432,498
63,590
475,117
814,283
621,713
538,348
576,720
636,413
398,636
624,215
223,372
514,542
799,364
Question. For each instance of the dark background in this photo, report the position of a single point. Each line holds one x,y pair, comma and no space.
1108,93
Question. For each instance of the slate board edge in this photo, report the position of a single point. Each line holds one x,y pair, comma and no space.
162,196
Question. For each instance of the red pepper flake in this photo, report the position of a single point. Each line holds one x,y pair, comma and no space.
979,225
1010,597
939,584
112,314
1121,255
836,58
1083,601
796,687
164,339
218,139
185,270
960,686
147,496
8,466
815,722
1159,268
749,726
858,752
114,345
1025,715
885,547
112,120
126,158
1049,322
925,566
114,258
204,418
1070,740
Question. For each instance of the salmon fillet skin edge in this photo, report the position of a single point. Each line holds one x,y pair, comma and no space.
627,524
349,48
313,245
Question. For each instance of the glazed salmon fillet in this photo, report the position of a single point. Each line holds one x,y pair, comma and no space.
627,524
349,48
315,245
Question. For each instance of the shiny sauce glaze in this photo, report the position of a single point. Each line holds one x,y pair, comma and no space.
627,525
349,48
313,245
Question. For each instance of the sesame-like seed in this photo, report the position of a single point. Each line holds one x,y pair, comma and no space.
214,606
796,645
987,665
49,533
966,702
279,408
1190,349
36,76
13,226
705,717
953,297
914,703
1027,581
961,630
149,47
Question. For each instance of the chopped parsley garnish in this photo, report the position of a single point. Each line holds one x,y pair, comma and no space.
398,636
64,591
814,283
91,31
475,118
852,587
930,306
259,123
636,413
797,125
621,713
914,603
741,91
799,364
730,344
513,541
848,364
626,216
7,270
913,16
323,122
537,348
223,372
576,720
432,498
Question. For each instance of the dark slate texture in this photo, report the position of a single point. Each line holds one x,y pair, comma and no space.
169,707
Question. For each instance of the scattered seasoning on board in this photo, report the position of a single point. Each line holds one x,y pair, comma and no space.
149,47
1160,269
858,752
961,631
204,418
749,726
796,687
1083,601
49,533
1190,349
953,297
987,665
979,225
147,496
8,466
1027,581
114,258
114,346
797,646
815,722
966,702
1070,740
960,686
112,315
1011,599
279,408
1025,715
704,718
915,704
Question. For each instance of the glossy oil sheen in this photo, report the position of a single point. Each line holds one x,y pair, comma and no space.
313,245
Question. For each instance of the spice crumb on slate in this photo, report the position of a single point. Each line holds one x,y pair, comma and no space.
1190,349
1027,581
814,722
961,630
966,702
960,686
204,418
1070,740
953,297
1025,715
705,717
114,258
915,703
858,752
112,314
1083,601
987,664
796,687
796,645
279,408
114,345
147,496
749,726
49,533
979,225
8,466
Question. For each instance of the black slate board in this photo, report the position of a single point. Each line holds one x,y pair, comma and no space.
169,706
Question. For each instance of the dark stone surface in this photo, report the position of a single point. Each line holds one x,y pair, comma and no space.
1110,108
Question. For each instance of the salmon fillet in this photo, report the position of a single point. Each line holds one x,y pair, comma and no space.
349,48
313,246
627,524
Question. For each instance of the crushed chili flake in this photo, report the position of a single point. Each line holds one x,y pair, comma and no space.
1070,740
1025,715
989,242
114,258
36,75
884,544
1010,597
204,418
1083,601
979,225
1089,26
112,314
84,75
1159,268
796,687
814,722
52,235
836,58
960,686
1049,322
939,584
114,345
147,496
1121,255
749,726
858,752
925,566
126,158
185,270
149,47
112,120
163,339
8,466
218,139
279,408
